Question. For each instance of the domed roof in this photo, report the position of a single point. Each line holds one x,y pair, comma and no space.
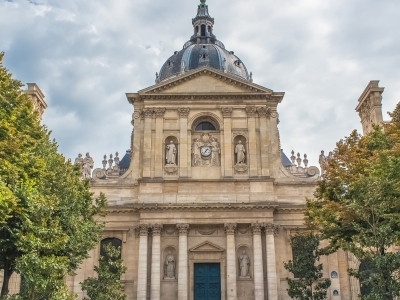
203,49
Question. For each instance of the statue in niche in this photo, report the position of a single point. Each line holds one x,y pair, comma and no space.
215,151
244,265
87,166
240,151
196,156
169,266
170,155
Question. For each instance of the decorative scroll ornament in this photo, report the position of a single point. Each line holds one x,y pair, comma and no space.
183,111
113,170
183,229
148,112
230,228
306,171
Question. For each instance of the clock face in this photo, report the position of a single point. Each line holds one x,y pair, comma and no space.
205,151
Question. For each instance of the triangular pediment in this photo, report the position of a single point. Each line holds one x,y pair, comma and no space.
205,80
207,247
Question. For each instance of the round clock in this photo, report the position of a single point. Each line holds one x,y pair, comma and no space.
205,151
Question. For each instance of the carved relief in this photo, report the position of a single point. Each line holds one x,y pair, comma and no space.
148,112
271,228
206,151
206,230
256,228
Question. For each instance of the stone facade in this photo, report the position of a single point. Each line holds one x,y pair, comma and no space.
206,187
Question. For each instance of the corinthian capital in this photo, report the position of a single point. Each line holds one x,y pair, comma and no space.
256,228
157,229
183,229
227,112
183,111
148,112
160,111
230,228
251,111
142,229
271,228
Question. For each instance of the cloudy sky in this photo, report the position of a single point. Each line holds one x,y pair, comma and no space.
85,55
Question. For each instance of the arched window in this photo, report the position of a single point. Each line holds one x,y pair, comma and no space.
203,30
115,243
205,126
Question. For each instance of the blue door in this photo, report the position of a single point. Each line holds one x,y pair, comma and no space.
207,281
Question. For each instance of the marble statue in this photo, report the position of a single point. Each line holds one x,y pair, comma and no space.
79,162
196,156
244,265
170,155
240,153
215,152
169,266
322,160
87,167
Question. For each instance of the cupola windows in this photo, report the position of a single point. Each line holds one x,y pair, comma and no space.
203,30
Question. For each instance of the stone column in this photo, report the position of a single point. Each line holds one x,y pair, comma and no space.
158,161
143,230
183,141
272,281
156,262
231,270
264,138
227,145
183,262
251,125
258,262
136,141
148,113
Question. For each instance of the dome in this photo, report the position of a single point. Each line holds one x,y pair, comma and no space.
203,49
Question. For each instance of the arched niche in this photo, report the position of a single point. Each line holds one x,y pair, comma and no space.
241,252
169,253
169,149
243,141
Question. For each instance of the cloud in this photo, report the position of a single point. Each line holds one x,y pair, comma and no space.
85,55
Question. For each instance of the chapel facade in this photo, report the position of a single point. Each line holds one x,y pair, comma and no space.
204,202
204,205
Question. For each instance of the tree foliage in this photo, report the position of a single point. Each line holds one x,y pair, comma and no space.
308,284
107,285
49,220
357,205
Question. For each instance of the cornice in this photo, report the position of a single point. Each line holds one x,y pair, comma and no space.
266,206
228,78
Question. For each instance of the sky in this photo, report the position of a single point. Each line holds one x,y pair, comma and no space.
85,55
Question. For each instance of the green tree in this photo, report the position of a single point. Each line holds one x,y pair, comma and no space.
107,285
357,205
307,284
50,224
